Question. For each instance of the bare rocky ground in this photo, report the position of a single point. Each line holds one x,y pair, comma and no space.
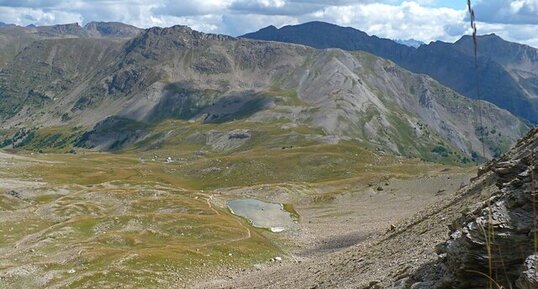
365,237
80,234
439,243
350,218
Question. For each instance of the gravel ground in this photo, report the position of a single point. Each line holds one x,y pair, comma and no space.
368,238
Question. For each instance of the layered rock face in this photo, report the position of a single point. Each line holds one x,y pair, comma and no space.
497,242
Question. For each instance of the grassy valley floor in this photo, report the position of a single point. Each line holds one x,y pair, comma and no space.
158,218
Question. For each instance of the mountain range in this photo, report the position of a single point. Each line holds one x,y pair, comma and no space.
110,84
507,72
409,42
13,39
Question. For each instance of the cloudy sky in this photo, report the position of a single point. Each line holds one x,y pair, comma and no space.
424,20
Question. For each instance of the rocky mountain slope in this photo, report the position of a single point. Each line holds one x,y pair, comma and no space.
13,39
494,243
507,71
491,240
111,29
180,73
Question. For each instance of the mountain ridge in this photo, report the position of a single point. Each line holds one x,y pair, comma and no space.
409,42
13,38
452,64
181,73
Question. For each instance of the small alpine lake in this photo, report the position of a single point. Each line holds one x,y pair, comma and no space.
262,214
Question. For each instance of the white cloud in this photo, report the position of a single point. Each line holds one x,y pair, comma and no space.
206,23
25,16
191,7
526,34
239,24
271,3
508,11
407,20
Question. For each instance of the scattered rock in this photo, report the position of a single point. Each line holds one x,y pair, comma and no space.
375,284
529,276
238,134
422,285
440,192
14,194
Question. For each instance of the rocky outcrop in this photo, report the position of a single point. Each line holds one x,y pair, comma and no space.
496,242
64,30
529,274
111,29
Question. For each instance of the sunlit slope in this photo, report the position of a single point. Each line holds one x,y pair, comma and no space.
178,73
148,218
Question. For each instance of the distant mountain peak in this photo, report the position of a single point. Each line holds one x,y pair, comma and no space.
318,23
410,42
67,25
111,29
157,42
509,69
73,29
491,35
316,34
269,28
186,32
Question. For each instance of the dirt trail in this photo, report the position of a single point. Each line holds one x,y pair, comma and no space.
240,222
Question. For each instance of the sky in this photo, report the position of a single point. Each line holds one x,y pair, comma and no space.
424,20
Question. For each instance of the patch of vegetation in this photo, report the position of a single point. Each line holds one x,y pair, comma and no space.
112,134
51,139
494,141
423,145
440,150
152,232
181,101
235,107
